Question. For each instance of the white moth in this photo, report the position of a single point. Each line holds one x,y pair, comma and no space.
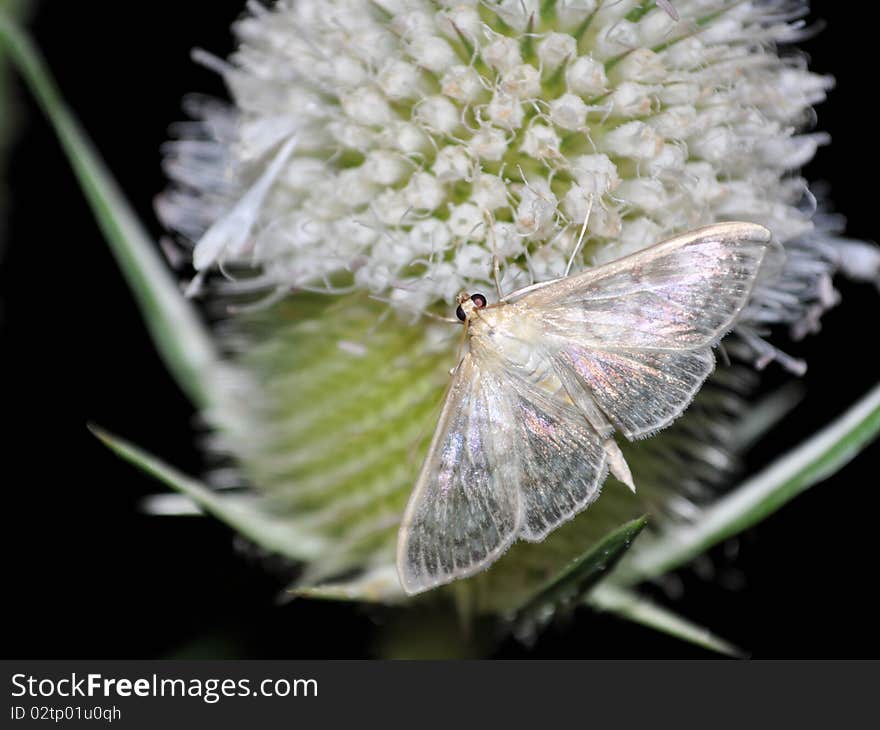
525,438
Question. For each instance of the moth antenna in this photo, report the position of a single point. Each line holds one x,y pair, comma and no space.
439,318
668,8
580,240
429,315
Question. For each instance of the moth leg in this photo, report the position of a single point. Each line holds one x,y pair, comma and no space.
496,266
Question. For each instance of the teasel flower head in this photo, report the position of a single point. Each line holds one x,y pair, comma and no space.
373,157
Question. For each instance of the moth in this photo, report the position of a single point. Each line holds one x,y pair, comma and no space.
546,377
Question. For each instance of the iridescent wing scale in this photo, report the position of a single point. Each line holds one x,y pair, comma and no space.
507,461
637,333
464,511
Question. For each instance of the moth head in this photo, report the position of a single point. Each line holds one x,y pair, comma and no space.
468,304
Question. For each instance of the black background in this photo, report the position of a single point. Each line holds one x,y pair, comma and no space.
88,576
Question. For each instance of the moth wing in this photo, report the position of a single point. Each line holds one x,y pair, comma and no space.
507,460
640,391
464,511
636,334
676,295
561,459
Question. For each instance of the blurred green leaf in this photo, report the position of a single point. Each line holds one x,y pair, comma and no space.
19,10
571,584
241,513
9,119
817,458
764,415
637,609
179,335
374,585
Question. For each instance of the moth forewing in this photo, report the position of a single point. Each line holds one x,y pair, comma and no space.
464,510
679,295
729,236
636,334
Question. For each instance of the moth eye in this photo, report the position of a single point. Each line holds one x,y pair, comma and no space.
459,312
479,300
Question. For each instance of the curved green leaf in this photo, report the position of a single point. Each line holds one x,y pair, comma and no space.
375,585
815,459
242,514
180,337
572,583
637,609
